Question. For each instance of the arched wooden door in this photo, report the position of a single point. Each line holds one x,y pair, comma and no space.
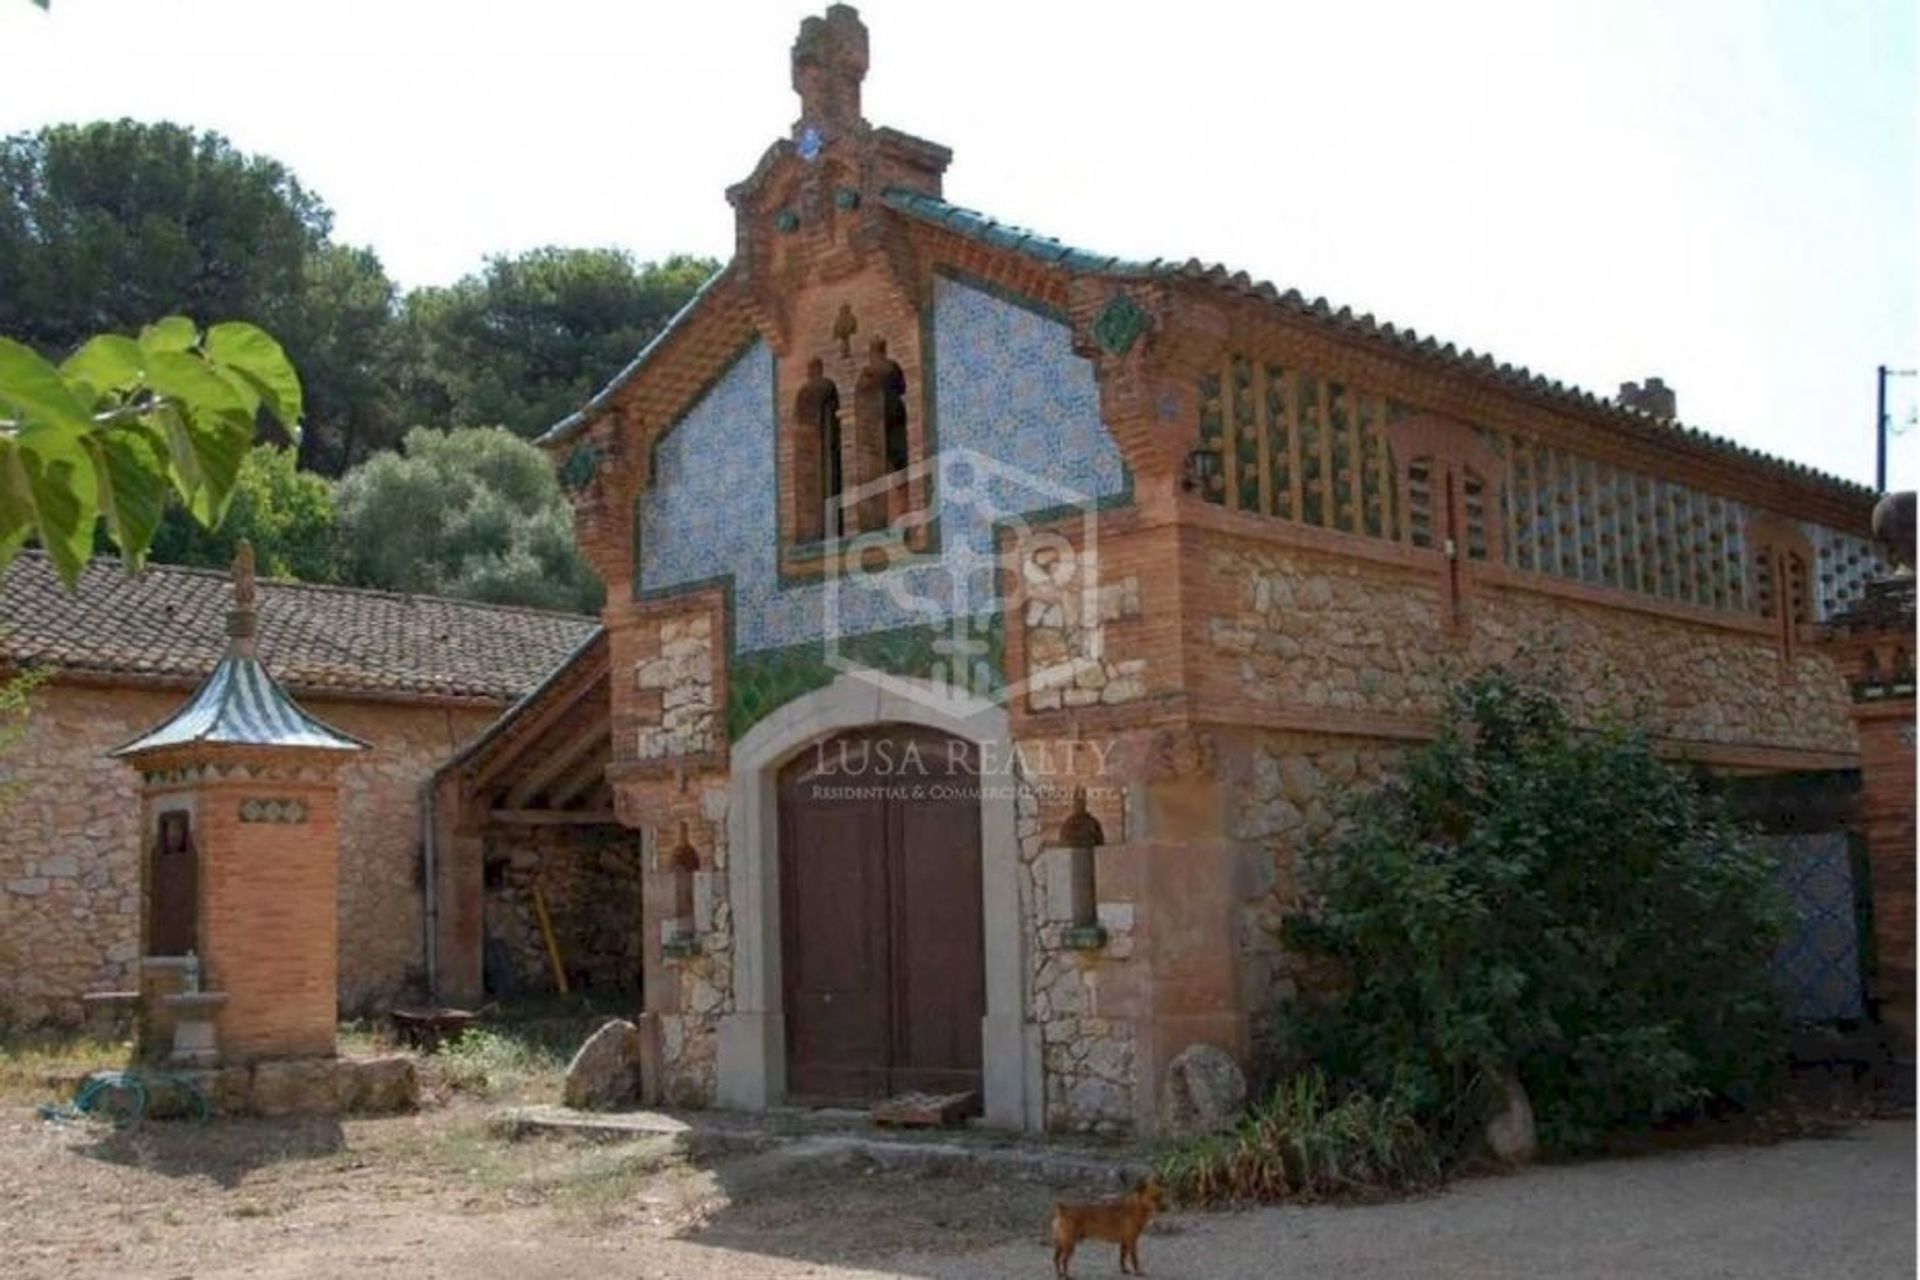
881,931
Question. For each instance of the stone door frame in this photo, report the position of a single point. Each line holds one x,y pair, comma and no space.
752,1056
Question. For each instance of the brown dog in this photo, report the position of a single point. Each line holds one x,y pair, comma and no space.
1119,1221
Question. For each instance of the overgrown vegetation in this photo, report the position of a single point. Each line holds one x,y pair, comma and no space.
1303,1143
490,1062
1553,900
42,1066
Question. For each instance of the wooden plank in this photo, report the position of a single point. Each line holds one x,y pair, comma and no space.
1261,427
1230,432
1327,506
578,741
585,775
1386,468
1291,403
554,817
1505,500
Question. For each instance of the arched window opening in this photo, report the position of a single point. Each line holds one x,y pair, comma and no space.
880,407
818,469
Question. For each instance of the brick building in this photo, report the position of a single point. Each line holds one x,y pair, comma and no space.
904,483
415,676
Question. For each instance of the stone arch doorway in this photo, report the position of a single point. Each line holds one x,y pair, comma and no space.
883,973
752,1054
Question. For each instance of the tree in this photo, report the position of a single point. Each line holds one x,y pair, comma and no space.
1561,904
104,226
287,514
472,512
530,338
121,424
344,334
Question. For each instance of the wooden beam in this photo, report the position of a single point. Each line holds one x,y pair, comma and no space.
580,740
555,817
572,785
590,681
1230,432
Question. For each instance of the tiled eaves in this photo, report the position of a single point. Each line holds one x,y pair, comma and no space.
571,425
166,626
1404,342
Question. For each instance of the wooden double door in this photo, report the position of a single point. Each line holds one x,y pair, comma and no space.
881,931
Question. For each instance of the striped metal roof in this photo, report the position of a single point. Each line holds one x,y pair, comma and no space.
241,705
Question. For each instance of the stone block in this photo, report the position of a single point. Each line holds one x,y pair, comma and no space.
1204,1092
376,1086
606,1072
296,1086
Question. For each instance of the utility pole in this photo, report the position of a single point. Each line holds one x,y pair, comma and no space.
1880,426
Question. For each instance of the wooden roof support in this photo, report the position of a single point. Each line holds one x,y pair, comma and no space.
578,741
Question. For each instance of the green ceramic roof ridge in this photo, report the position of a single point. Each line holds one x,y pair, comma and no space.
570,426
978,226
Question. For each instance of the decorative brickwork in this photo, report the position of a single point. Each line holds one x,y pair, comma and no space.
69,851
1232,542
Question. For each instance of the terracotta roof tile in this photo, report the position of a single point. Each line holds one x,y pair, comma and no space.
976,226
169,623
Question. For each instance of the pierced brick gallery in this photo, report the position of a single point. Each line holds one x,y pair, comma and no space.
991,622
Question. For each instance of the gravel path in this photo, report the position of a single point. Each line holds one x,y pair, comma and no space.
419,1198
1839,1208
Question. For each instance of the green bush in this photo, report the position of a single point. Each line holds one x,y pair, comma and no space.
1303,1144
1555,900
488,1062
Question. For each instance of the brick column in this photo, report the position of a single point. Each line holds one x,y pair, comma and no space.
1874,643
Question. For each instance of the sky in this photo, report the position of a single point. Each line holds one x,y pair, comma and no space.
1718,192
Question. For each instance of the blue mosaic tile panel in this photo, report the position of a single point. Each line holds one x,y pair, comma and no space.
1819,965
1018,432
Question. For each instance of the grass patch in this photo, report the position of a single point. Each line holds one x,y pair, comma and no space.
492,1063
40,1066
1303,1144
521,1050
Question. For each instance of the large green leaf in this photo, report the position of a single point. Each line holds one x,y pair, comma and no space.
57,476
206,450
132,461
254,354
16,508
109,362
34,390
175,333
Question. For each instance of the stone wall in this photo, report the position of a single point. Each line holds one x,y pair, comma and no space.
1298,629
590,877
69,848
1288,794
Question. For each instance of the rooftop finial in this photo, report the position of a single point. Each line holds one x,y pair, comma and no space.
243,619
829,62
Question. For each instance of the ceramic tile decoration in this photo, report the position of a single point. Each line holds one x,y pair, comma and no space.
1017,426
1819,964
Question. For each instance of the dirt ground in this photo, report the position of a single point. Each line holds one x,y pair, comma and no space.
438,1195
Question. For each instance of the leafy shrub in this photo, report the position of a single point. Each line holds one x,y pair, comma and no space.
474,513
1529,895
1303,1144
488,1062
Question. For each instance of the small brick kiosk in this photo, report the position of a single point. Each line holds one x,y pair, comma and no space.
240,799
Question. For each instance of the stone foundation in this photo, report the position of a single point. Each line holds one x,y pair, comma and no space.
288,1087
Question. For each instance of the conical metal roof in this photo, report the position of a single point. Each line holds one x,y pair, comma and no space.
241,704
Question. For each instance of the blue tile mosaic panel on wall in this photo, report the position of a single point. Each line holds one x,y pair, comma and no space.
1819,964
1016,426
